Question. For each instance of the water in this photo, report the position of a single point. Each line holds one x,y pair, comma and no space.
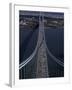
55,43
28,41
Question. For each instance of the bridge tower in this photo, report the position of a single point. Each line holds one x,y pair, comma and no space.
42,66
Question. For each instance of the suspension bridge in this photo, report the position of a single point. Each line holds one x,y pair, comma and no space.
41,52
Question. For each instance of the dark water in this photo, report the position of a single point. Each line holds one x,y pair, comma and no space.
28,41
55,43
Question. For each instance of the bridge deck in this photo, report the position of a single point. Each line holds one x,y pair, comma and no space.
42,67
